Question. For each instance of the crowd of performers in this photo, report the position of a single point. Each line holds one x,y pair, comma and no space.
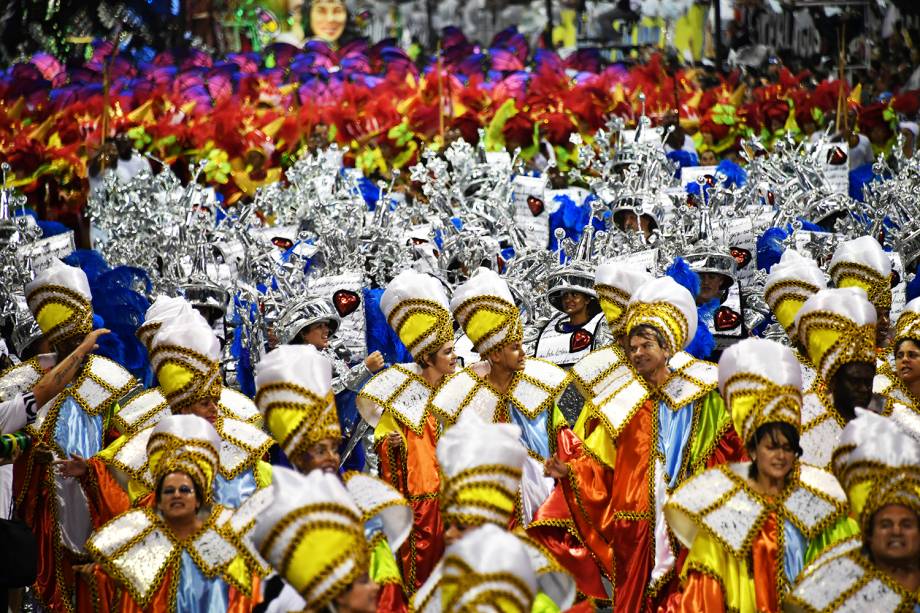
594,381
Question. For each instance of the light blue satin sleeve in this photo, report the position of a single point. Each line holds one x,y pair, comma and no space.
76,431
534,432
673,435
232,493
372,528
197,593
796,546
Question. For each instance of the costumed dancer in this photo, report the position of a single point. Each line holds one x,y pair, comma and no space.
653,432
879,467
792,281
751,526
861,262
396,404
314,321
72,423
184,354
837,329
596,375
579,328
901,384
181,555
294,392
482,465
507,387
314,535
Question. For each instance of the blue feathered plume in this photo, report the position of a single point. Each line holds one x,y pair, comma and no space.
703,343
380,336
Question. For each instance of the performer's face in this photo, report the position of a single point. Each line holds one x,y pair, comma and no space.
317,335
907,360
454,531
710,287
360,597
647,355
177,499
774,456
444,360
327,19
324,455
510,357
851,387
204,407
894,537
882,326
575,304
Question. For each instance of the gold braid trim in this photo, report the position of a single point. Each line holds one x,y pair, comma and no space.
443,327
616,296
78,324
854,343
877,287
465,578
788,289
660,315
319,418
492,339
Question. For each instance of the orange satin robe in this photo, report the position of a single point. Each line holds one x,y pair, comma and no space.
97,592
34,483
413,470
613,510
702,592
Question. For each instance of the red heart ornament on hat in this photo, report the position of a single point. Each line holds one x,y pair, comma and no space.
726,319
580,339
742,256
535,205
345,302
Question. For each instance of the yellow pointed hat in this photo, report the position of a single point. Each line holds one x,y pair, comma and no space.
862,262
185,355
761,382
417,309
668,307
837,327
878,464
312,534
188,444
486,309
908,327
482,465
792,281
615,283
61,303
294,393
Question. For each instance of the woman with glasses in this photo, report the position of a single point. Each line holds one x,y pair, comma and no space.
179,555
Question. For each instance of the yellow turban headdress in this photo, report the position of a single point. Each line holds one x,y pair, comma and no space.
187,444
185,355
312,534
862,262
486,309
666,306
482,465
837,327
416,307
908,323
878,464
761,382
792,281
61,302
294,393
615,283
164,308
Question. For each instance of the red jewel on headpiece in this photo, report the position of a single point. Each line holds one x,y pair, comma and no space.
345,302
726,319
